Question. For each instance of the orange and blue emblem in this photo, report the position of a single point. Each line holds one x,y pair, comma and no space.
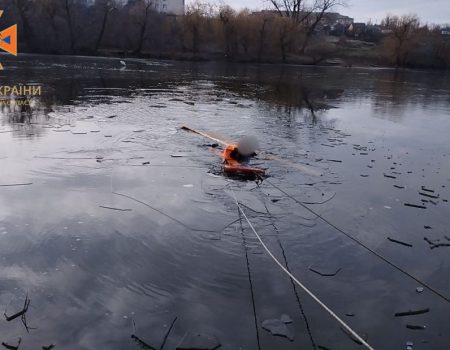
8,40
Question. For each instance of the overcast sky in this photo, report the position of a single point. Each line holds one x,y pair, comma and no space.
431,11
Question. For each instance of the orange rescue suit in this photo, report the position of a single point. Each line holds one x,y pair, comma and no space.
229,154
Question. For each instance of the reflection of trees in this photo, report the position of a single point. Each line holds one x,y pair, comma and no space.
298,94
289,94
391,96
292,94
25,114
288,101
396,91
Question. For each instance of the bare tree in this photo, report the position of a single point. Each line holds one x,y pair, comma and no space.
23,9
307,14
142,11
263,24
50,9
286,31
106,6
403,36
298,10
319,10
244,23
195,17
441,49
69,9
227,17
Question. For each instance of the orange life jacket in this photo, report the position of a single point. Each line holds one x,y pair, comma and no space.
228,153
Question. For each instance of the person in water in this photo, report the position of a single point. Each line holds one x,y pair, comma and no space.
242,152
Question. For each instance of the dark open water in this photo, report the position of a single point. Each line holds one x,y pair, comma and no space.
90,271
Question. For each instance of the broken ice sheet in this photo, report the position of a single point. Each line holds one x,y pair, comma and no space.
278,328
285,319
325,271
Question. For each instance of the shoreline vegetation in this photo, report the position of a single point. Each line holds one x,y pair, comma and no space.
291,31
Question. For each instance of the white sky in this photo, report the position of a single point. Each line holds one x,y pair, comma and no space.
431,11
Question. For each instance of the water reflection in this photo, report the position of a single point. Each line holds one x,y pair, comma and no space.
288,88
26,115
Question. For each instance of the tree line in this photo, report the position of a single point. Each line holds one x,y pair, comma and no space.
290,31
409,43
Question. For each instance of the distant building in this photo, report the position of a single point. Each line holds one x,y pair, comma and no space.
445,31
173,7
373,33
329,19
333,18
356,29
337,29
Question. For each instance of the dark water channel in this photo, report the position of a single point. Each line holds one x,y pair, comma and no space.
114,216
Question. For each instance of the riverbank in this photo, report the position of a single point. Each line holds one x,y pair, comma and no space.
332,52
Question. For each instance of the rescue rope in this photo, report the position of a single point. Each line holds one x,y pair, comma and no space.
297,296
386,260
252,293
311,294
